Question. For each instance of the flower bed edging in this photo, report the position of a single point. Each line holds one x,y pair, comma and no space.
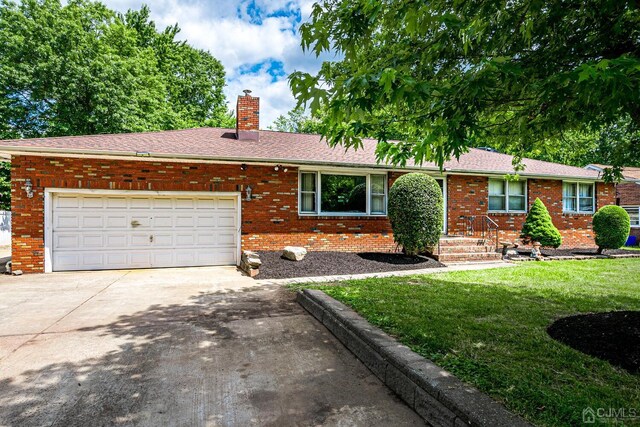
437,396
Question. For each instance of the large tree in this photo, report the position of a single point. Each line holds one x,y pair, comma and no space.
84,69
456,74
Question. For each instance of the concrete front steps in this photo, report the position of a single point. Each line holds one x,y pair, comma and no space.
466,249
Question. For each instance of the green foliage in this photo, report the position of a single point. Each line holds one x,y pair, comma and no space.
611,224
416,212
489,328
452,75
5,186
298,121
83,69
539,227
343,193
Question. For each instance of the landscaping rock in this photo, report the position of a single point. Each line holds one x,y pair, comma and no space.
294,253
252,259
250,263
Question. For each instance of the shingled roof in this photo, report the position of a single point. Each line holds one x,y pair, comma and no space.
271,147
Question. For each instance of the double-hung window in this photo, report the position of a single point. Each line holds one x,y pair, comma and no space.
578,197
634,215
507,196
329,193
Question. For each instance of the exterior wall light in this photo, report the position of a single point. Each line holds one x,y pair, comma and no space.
28,188
248,193
278,167
243,167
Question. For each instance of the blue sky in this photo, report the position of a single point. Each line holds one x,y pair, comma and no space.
257,42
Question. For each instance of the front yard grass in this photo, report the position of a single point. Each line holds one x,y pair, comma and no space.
489,328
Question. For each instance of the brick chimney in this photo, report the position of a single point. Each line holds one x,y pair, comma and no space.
247,116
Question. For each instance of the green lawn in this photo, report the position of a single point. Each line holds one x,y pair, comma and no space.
489,328
632,248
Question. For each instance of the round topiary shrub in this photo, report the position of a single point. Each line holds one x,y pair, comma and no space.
612,225
539,227
416,212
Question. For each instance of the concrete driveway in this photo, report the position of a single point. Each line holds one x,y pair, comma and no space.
202,346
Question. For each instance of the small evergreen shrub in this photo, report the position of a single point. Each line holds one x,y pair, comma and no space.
612,225
416,212
539,227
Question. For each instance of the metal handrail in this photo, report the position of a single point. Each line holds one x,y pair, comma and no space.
483,227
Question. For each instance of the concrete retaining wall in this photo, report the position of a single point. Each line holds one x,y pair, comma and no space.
436,395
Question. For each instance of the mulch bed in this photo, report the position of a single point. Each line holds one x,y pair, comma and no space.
578,251
613,336
338,263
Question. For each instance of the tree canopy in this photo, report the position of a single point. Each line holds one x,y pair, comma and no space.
297,120
84,69
457,74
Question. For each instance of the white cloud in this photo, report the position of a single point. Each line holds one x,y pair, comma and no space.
228,30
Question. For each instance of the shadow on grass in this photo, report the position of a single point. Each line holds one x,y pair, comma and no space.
494,336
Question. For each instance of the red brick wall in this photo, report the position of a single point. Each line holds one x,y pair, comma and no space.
248,113
575,228
628,194
269,222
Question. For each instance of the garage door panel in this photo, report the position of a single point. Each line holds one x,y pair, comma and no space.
66,241
162,240
140,203
140,240
92,221
116,241
162,221
227,203
106,232
116,221
206,221
226,239
66,221
184,203
188,239
92,202
64,202
185,221
92,241
162,204
226,220
116,202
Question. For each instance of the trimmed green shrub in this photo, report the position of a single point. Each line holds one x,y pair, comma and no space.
416,212
612,225
539,227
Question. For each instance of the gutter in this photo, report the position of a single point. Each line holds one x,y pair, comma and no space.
128,155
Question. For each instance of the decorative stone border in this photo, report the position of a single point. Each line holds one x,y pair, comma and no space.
436,395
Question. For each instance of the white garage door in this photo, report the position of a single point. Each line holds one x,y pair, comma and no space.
99,232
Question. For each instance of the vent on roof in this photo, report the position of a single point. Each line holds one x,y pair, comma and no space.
491,150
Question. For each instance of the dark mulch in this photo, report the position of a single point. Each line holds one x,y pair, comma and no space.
577,251
337,263
614,336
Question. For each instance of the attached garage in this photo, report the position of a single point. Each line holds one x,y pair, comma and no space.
105,229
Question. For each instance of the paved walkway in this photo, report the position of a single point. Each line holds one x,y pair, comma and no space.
194,346
326,279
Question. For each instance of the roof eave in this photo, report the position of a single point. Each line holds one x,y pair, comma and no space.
42,151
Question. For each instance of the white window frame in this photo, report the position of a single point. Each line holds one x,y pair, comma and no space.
635,210
593,197
320,212
506,196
